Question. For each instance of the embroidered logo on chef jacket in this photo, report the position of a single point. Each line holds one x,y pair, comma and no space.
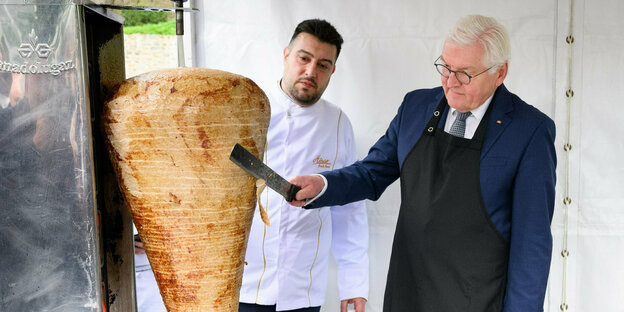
321,163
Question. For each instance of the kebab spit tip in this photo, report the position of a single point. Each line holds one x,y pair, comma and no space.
169,134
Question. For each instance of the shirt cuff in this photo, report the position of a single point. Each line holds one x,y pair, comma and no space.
308,202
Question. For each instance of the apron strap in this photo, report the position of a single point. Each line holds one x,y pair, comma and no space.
437,115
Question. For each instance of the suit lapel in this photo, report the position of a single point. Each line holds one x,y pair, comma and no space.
500,118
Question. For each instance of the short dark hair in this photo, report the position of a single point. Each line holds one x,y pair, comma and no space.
321,29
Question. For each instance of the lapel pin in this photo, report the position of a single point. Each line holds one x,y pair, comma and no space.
499,122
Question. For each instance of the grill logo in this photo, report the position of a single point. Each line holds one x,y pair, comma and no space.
31,65
26,50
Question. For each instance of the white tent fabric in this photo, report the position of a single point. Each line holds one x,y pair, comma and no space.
389,49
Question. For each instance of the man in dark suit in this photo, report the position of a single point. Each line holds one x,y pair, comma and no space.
477,168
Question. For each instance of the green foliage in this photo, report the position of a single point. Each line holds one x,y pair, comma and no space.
135,18
166,28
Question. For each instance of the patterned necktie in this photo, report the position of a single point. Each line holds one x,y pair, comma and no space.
459,125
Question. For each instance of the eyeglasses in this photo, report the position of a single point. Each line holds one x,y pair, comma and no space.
461,76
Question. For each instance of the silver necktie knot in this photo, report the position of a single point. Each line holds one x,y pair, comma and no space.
459,125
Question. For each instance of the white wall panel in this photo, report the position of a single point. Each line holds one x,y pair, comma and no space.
389,50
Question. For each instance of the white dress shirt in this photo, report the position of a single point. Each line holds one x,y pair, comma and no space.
472,122
286,263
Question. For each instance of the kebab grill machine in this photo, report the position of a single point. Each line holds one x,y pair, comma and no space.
66,240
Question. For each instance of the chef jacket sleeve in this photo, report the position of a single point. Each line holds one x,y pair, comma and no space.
350,234
350,249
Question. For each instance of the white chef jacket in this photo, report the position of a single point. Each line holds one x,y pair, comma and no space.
286,263
147,292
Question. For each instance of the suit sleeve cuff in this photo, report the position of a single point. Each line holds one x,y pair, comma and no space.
309,202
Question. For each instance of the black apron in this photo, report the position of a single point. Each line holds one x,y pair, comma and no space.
447,256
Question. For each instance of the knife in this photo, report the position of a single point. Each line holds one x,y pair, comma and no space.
252,165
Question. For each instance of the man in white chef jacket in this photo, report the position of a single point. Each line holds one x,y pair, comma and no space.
286,263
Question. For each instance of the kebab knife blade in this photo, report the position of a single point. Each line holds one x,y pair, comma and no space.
252,165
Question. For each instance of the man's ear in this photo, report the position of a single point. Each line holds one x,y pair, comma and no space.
286,52
333,70
501,73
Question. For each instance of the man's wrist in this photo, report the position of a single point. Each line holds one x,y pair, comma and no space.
308,202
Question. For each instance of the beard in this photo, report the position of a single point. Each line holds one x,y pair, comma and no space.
303,98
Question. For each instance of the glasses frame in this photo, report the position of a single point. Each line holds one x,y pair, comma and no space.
437,66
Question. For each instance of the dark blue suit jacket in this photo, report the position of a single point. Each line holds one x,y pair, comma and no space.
517,175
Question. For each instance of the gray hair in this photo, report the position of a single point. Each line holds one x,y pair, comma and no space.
487,31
